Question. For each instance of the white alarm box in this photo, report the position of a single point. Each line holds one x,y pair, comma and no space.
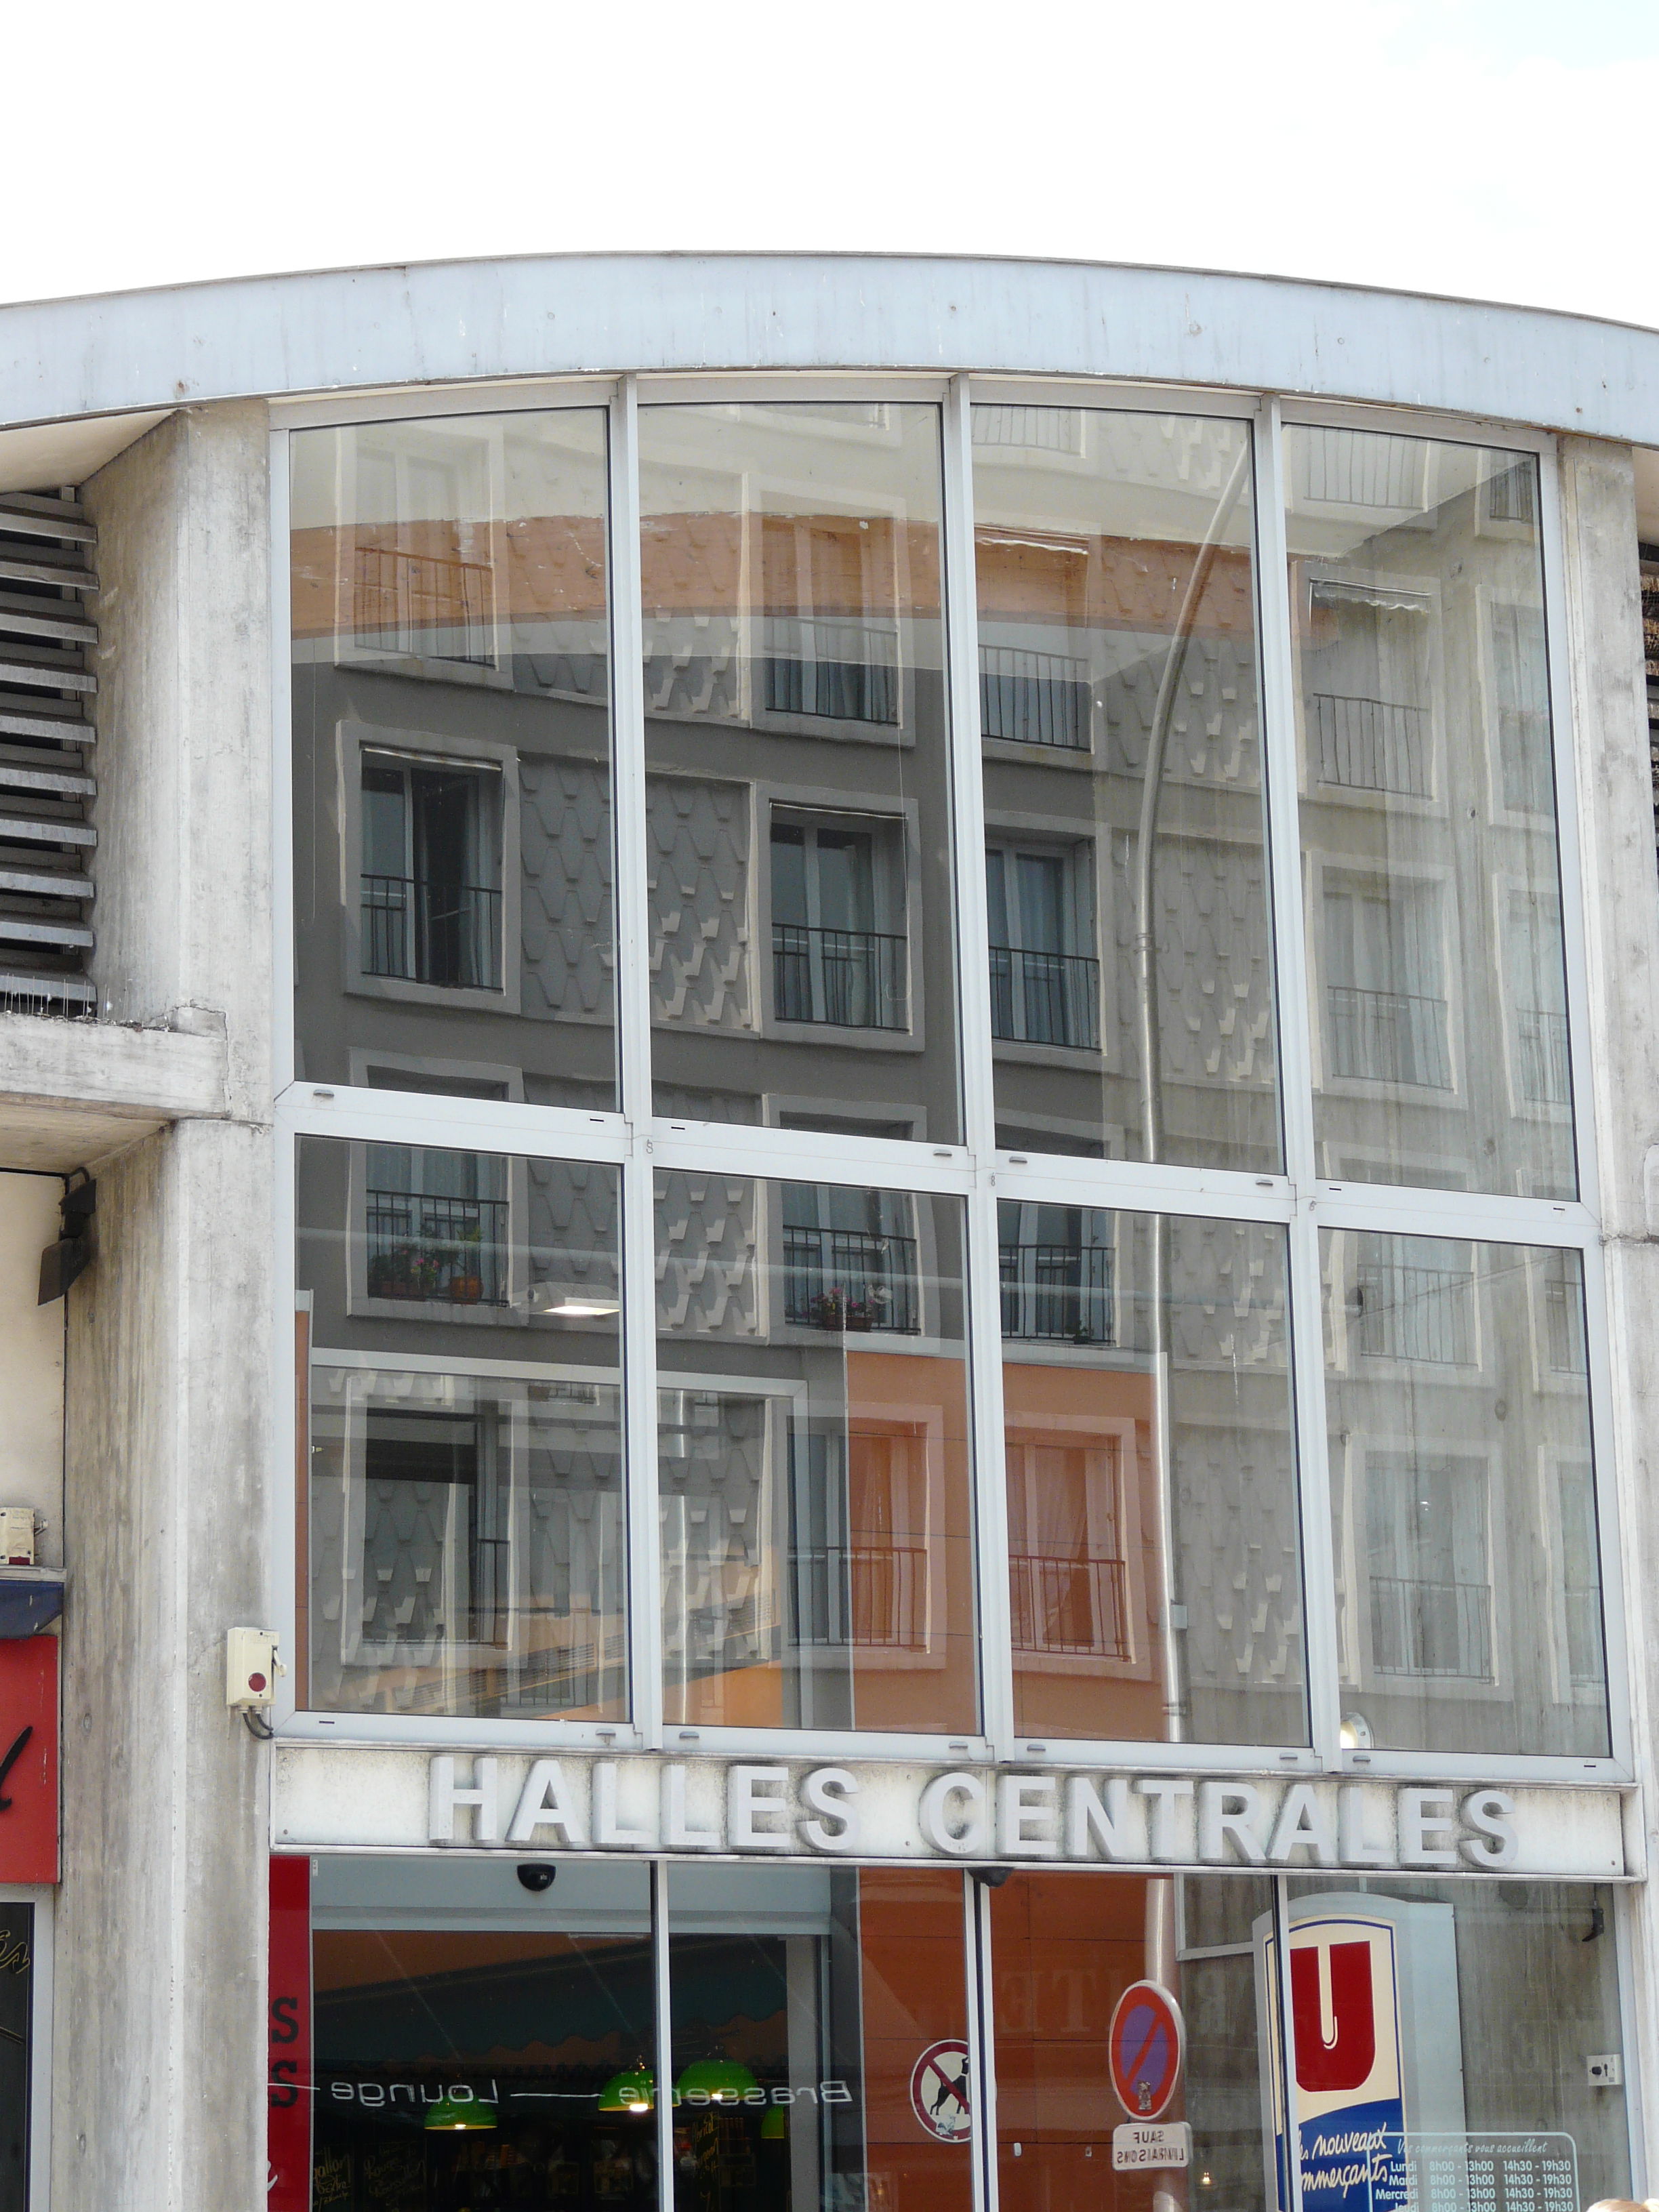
252,1667
17,1535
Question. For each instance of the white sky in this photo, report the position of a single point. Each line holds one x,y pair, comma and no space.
1502,148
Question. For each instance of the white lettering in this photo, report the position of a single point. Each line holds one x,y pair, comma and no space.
1027,1815
677,1833
1229,1808
826,1789
1087,1819
1490,1811
1423,1813
608,1832
1353,1847
934,1815
1303,1824
545,1802
1163,1791
756,1793
444,1794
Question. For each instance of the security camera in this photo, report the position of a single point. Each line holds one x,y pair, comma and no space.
537,1876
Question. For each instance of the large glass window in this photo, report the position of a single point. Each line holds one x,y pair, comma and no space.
798,800
462,1524
452,756
1469,1589
1436,971
1154,1563
813,1461
1131,962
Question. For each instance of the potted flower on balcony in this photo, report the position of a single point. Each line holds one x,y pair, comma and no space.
466,1281
828,1310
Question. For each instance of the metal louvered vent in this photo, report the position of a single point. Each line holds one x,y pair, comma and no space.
45,734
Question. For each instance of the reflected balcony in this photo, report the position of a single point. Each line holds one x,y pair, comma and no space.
1028,698
843,672
1078,1607
1045,997
1371,744
423,606
850,1281
1432,1628
869,1595
1424,1315
1389,1037
1056,1293
854,979
429,932
451,1250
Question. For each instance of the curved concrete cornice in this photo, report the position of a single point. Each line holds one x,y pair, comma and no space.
456,321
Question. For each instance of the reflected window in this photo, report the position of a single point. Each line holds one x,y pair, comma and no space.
432,873
1469,1589
813,1468
1388,1016
1045,979
838,938
436,1227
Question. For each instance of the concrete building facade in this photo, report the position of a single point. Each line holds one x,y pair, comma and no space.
868,1050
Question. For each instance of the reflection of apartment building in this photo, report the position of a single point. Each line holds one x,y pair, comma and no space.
889,1191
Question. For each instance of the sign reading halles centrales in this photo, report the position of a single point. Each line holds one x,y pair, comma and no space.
363,1797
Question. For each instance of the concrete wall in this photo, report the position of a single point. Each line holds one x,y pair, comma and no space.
160,2029
1621,904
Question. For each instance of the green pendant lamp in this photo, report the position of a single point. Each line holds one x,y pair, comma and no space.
633,2090
722,2080
459,2115
774,2124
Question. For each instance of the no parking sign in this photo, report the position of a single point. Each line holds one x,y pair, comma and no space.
1147,2043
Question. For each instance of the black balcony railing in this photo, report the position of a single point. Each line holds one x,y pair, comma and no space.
451,1250
1541,1051
1431,1627
1034,698
843,671
1371,744
1057,1293
427,932
1045,997
422,604
850,1280
1075,1606
1389,1037
1421,1314
869,1595
853,979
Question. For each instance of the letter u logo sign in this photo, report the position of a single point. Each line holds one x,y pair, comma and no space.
1344,2057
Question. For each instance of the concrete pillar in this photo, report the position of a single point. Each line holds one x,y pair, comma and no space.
159,2051
1621,928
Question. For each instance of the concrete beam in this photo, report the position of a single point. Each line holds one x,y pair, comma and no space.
73,1092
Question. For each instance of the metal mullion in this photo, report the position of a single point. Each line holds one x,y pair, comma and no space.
984,1296
806,1156
627,758
1131,396
1559,626
283,1501
1131,1187
460,1124
1320,1642
424,402
1286,2053
1485,1220
1618,1603
981,2042
282,771
663,2055
634,1068
776,388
